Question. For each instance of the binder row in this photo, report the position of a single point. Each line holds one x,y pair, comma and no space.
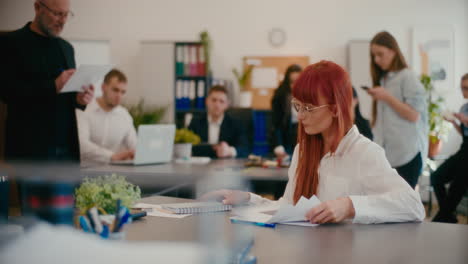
190,60
260,146
190,94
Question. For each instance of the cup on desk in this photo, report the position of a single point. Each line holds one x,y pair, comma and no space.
49,201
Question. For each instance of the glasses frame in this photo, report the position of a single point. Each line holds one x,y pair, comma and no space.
306,108
58,14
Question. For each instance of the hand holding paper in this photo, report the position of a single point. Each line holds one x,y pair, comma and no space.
333,211
85,75
285,214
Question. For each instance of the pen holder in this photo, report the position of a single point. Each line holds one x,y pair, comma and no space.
106,226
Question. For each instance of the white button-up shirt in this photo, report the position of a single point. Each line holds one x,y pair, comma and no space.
402,139
214,130
104,133
360,170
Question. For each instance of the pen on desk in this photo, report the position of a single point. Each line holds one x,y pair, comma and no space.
138,215
97,221
88,214
237,221
116,218
84,223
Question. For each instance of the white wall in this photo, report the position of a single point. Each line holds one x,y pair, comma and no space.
320,29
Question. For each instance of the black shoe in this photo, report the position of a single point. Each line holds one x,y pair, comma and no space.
445,218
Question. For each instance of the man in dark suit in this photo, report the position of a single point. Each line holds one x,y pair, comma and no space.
222,136
36,64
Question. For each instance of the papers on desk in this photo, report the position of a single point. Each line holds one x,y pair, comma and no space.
194,160
157,210
85,75
279,213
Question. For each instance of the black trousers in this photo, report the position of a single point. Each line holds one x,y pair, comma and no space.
455,171
411,170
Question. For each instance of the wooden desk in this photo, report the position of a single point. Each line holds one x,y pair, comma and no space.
423,243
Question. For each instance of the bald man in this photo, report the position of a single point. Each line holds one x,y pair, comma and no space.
36,64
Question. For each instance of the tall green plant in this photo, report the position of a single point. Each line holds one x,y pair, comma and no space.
207,44
438,127
145,115
243,78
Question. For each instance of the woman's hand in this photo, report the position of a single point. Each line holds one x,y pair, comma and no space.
333,211
225,196
463,118
379,93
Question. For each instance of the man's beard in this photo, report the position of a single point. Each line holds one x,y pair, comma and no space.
46,30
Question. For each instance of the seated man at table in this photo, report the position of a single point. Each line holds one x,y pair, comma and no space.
106,128
222,136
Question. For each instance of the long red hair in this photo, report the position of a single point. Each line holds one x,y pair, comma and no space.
330,81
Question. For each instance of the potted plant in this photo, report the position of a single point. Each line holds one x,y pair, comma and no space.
245,97
206,43
183,142
438,127
145,115
104,191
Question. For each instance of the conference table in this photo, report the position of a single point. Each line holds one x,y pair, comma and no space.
333,243
173,176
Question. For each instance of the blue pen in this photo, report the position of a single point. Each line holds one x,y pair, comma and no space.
237,221
105,232
124,219
84,224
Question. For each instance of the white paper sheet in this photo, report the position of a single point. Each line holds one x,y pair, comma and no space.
156,210
285,213
85,75
264,77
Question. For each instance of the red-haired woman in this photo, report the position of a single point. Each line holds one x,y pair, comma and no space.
348,172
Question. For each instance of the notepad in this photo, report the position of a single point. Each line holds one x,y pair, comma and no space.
196,207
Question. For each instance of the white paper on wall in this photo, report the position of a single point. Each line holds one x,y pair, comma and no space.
264,77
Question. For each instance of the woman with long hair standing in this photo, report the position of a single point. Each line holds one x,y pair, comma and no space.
399,113
284,117
332,160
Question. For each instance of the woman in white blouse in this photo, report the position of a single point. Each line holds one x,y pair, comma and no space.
349,173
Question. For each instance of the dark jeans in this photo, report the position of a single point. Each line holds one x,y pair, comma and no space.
454,170
411,170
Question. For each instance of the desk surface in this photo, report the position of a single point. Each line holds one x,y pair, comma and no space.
343,243
234,166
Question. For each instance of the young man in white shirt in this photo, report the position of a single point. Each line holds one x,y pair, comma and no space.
106,128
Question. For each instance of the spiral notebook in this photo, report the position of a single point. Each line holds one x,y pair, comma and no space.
196,207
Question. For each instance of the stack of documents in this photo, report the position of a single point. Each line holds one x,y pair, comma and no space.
287,214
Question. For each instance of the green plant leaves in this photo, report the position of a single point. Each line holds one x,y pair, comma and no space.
184,135
104,191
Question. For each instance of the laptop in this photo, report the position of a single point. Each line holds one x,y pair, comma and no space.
154,145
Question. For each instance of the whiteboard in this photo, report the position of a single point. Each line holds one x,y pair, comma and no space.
94,52
359,71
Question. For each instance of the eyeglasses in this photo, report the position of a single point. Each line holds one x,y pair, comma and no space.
57,14
306,108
